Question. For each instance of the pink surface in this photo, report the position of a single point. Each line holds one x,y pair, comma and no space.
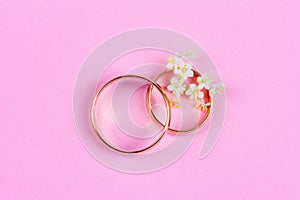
255,46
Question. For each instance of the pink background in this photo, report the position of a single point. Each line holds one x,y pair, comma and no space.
255,45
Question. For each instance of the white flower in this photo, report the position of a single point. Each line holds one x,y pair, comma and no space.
204,81
194,92
170,66
200,104
174,61
219,88
183,70
176,86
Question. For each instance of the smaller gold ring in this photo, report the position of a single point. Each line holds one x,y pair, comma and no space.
166,126
171,129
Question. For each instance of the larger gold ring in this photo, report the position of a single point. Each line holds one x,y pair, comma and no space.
166,124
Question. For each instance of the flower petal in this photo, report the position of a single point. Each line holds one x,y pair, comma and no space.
207,86
190,73
199,79
200,94
181,89
188,65
170,66
177,71
171,87
193,86
188,92
201,86
173,80
177,94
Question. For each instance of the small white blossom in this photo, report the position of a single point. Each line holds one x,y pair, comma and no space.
174,61
200,104
219,88
194,92
204,81
184,71
170,66
176,86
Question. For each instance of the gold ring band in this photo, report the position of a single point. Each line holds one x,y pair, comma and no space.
152,84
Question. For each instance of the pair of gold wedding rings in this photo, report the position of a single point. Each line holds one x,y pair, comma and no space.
166,124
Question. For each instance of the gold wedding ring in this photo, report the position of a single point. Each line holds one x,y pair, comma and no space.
165,125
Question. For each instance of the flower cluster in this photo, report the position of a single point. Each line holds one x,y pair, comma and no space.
178,86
